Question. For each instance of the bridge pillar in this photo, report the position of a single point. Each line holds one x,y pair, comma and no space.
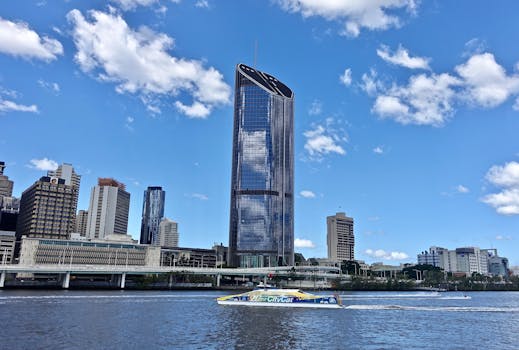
218,278
123,280
170,281
2,279
66,281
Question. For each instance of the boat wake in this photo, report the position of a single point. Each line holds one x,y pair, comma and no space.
435,296
434,308
133,296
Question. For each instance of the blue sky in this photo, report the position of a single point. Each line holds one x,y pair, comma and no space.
406,116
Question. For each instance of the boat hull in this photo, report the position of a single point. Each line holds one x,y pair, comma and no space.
260,303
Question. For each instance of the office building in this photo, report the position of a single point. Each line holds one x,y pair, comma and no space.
194,257
168,233
81,222
6,185
152,214
9,211
66,172
35,251
340,237
47,209
431,257
261,225
7,243
108,210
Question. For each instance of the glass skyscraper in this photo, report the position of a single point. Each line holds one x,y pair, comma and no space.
152,214
261,228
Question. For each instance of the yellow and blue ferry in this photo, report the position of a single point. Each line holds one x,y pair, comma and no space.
281,297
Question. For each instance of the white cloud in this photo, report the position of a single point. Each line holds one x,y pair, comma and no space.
323,140
10,106
401,58
474,46
382,254
487,83
17,39
129,123
370,84
199,196
503,238
202,4
378,150
307,194
506,177
132,4
345,78
426,100
303,243
53,87
44,164
462,189
353,14
316,108
138,62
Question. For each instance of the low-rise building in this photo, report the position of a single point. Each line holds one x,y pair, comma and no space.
36,251
194,257
7,242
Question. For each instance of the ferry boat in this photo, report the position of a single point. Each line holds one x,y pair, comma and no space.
281,297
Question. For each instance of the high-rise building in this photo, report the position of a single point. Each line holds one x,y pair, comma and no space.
108,210
47,209
81,222
6,185
261,225
66,172
340,237
168,233
152,213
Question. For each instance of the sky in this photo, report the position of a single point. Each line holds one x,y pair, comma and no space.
406,111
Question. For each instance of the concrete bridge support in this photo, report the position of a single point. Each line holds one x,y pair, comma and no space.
218,278
170,281
66,281
2,279
123,280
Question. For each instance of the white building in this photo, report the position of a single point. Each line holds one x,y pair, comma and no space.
465,259
168,233
108,210
340,237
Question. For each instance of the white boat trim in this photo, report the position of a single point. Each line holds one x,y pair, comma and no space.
260,303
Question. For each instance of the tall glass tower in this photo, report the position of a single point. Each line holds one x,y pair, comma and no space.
152,214
261,228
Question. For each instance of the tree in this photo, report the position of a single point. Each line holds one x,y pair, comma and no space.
299,258
350,267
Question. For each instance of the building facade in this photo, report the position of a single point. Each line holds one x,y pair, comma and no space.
340,237
37,251
261,225
108,210
81,222
152,214
66,172
168,233
47,210
6,185
7,243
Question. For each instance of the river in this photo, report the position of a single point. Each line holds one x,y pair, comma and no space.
57,319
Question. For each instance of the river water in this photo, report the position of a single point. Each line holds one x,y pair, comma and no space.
57,319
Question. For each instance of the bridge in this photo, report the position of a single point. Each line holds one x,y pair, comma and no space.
66,270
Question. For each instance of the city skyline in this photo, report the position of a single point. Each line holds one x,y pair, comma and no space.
405,124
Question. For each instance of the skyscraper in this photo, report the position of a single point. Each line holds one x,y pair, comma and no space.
340,238
6,185
108,210
81,222
261,225
168,233
152,213
47,209
66,172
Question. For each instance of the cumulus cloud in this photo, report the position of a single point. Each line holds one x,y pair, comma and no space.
378,150
44,164
307,194
17,39
323,140
506,177
430,99
382,254
303,243
402,58
345,78
138,62
352,14
462,189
